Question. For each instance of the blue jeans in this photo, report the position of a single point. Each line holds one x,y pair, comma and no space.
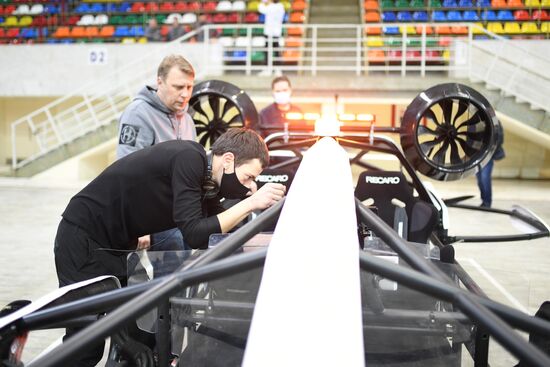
169,240
484,184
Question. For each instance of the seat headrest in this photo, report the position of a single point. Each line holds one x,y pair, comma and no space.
383,185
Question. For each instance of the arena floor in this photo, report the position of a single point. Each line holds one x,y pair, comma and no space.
515,274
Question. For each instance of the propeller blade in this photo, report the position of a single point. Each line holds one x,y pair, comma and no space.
455,156
447,108
478,136
204,139
462,107
439,156
426,130
206,107
466,147
230,114
475,119
201,129
214,102
431,115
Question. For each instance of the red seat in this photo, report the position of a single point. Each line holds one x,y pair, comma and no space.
540,15
232,18
251,18
8,9
219,18
39,21
194,6
166,7
181,7
12,33
2,33
151,7
209,6
521,15
164,30
138,7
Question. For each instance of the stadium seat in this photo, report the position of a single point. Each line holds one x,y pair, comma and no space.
420,16
194,6
444,41
189,18
387,4
97,8
414,42
515,4
470,16
483,3
408,29
375,42
92,32
478,29
151,7
454,16
295,31
166,7
137,7
540,15
173,17
11,21
394,55
393,42
87,19
39,21
459,30
9,9
107,31
417,4
219,18
238,5
505,15
404,16
36,9
512,28
291,56
521,15
22,9
388,16
373,30
232,18
122,31
297,17
223,5
499,4
420,29
439,16
449,4
404,4
465,4
78,32
376,56
372,17
124,7
390,30
62,32
12,33
28,33
443,30
251,18
252,6
532,3
2,33
529,28
181,7
101,19
164,30
488,15
136,31
495,27
371,5
300,5
259,41
545,27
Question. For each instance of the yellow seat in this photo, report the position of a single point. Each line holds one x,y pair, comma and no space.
545,3
128,40
375,42
446,55
478,29
512,28
495,27
409,29
545,27
25,21
532,3
529,28
10,21
142,40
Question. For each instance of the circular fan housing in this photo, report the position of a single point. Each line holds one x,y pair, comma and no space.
216,106
449,132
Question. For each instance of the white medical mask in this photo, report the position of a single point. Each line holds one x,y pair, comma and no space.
282,97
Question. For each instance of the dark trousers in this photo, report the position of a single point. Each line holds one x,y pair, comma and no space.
485,185
78,258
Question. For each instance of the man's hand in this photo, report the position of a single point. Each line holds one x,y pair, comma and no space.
268,195
144,242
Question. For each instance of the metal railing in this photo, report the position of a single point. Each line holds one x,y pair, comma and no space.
413,49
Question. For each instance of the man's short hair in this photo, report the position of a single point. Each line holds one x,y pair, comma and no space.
282,78
174,60
244,143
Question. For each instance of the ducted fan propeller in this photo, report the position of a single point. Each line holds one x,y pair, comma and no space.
217,106
449,131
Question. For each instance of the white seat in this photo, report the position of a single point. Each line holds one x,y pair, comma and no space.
224,5
37,9
101,19
239,5
242,42
22,9
189,18
87,19
226,41
258,41
172,17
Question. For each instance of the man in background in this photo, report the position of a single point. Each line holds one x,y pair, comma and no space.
274,13
157,115
273,117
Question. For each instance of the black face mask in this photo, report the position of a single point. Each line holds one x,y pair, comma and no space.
231,187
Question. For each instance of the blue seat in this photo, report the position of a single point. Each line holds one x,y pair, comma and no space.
51,40
28,33
388,16
124,7
488,15
484,3
454,16
390,30
67,40
51,9
111,8
470,16
439,16
465,4
97,8
136,31
449,4
404,16
122,31
285,18
505,15
261,18
239,55
420,16
1,19
83,8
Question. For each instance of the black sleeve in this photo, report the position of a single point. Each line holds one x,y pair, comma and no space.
188,170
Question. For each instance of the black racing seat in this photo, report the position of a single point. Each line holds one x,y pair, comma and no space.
382,187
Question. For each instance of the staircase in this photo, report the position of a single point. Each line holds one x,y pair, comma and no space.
334,48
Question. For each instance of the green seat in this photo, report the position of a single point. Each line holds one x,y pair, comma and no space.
402,4
417,4
116,20
435,3
257,31
393,42
257,56
414,42
131,19
431,42
161,18
387,4
228,32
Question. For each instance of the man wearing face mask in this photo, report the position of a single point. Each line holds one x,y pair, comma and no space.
156,115
273,117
